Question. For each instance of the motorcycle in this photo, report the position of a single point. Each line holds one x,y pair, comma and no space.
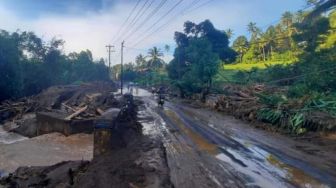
160,101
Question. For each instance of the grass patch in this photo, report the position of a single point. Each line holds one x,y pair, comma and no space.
258,65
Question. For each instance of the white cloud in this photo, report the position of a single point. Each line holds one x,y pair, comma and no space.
94,30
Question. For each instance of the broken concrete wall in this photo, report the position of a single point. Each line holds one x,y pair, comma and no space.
48,122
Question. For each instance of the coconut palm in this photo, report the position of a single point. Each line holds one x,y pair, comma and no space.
254,30
229,33
155,60
269,38
287,19
167,48
241,46
140,61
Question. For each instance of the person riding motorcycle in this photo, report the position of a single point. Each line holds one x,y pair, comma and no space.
161,96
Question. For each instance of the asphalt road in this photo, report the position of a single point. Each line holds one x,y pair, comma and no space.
208,149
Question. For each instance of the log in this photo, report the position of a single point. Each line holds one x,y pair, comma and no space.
100,111
69,107
242,98
76,113
241,94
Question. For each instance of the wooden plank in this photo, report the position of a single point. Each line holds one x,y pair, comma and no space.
76,113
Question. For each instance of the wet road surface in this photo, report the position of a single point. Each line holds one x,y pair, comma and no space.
208,149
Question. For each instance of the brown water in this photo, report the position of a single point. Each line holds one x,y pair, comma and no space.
44,150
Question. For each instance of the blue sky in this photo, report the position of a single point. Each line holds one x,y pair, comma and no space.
91,24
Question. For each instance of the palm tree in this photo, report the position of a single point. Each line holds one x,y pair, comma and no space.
241,46
254,30
167,48
155,60
262,45
229,33
287,19
140,61
270,40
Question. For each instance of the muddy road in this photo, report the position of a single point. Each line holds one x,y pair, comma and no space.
208,149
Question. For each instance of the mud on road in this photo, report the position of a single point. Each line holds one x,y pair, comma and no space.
182,146
208,149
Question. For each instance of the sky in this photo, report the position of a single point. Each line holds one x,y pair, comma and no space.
93,24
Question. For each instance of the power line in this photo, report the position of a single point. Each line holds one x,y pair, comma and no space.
186,12
276,39
134,18
163,16
165,24
143,50
278,20
299,76
149,17
133,24
194,3
201,5
143,12
128,17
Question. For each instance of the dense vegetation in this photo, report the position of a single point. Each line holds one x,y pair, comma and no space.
28,65
148,70
297,54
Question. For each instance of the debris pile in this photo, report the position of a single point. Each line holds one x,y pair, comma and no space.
133,160
59,175
271,105
70,103
239,101
76,101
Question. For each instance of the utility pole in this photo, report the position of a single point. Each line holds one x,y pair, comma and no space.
110,50
122,68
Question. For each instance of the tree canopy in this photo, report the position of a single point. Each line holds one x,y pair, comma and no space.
28,64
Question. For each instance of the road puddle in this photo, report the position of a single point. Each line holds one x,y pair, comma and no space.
262,168
293,174
266,170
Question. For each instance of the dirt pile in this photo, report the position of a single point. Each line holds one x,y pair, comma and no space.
88,100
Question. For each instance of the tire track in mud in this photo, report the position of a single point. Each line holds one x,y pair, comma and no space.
275,164
199,155
189,167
